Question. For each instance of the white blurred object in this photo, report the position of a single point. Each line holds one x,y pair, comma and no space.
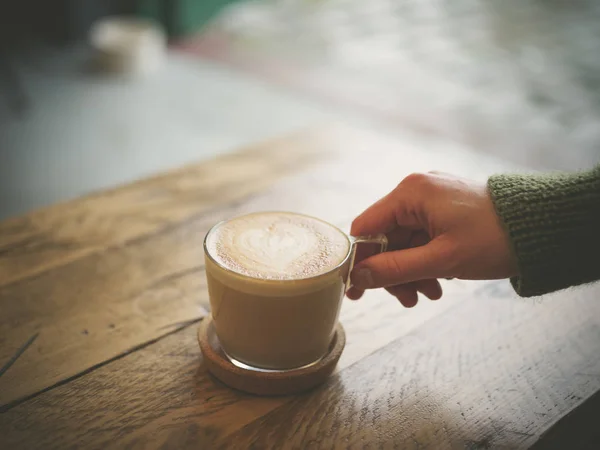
127,45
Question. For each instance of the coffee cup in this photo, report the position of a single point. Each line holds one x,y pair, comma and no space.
276,281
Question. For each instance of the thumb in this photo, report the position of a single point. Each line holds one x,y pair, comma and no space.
403,266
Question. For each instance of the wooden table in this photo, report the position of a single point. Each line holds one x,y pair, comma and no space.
109,290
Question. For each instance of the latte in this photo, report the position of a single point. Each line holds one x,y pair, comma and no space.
278,246
275,283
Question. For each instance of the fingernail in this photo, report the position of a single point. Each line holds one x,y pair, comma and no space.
363,278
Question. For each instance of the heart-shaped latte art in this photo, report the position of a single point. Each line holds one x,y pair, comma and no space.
277,245
280,246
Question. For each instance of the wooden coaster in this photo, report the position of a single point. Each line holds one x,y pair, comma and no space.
267,383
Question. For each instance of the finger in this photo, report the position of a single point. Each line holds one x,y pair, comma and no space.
354,293
403,266
365,250
380,217
399,238
430,288
393,210
418,238
405,293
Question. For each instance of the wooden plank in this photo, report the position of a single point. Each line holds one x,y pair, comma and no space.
143,399
101,275
66,232
492,373
129,280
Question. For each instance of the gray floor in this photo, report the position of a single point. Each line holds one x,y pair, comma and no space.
84,132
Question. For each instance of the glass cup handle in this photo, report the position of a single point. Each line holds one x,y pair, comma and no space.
380,239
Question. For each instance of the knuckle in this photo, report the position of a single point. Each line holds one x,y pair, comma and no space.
440,174
414,178
417,180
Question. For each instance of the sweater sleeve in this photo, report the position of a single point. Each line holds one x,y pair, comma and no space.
553,223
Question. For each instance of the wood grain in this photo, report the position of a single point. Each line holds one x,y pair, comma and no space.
478,369
132,269
144,400
123,280
63,233
491,373
142,397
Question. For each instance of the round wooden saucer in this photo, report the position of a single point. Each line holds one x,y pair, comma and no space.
268,382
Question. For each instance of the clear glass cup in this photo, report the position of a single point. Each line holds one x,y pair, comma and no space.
278,324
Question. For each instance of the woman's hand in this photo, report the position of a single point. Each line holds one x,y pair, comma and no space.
438,226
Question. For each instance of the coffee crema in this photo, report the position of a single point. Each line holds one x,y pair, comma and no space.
278,246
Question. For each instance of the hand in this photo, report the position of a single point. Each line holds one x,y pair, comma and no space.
438,226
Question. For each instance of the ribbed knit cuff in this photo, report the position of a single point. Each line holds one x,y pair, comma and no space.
553,222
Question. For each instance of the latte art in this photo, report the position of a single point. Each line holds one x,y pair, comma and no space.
277,246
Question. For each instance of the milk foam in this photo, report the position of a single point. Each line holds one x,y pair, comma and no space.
277,246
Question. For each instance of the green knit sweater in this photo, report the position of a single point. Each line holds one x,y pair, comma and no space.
553,222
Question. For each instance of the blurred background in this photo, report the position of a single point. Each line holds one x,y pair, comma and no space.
95,93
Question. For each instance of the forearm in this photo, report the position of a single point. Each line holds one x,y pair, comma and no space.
553,222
